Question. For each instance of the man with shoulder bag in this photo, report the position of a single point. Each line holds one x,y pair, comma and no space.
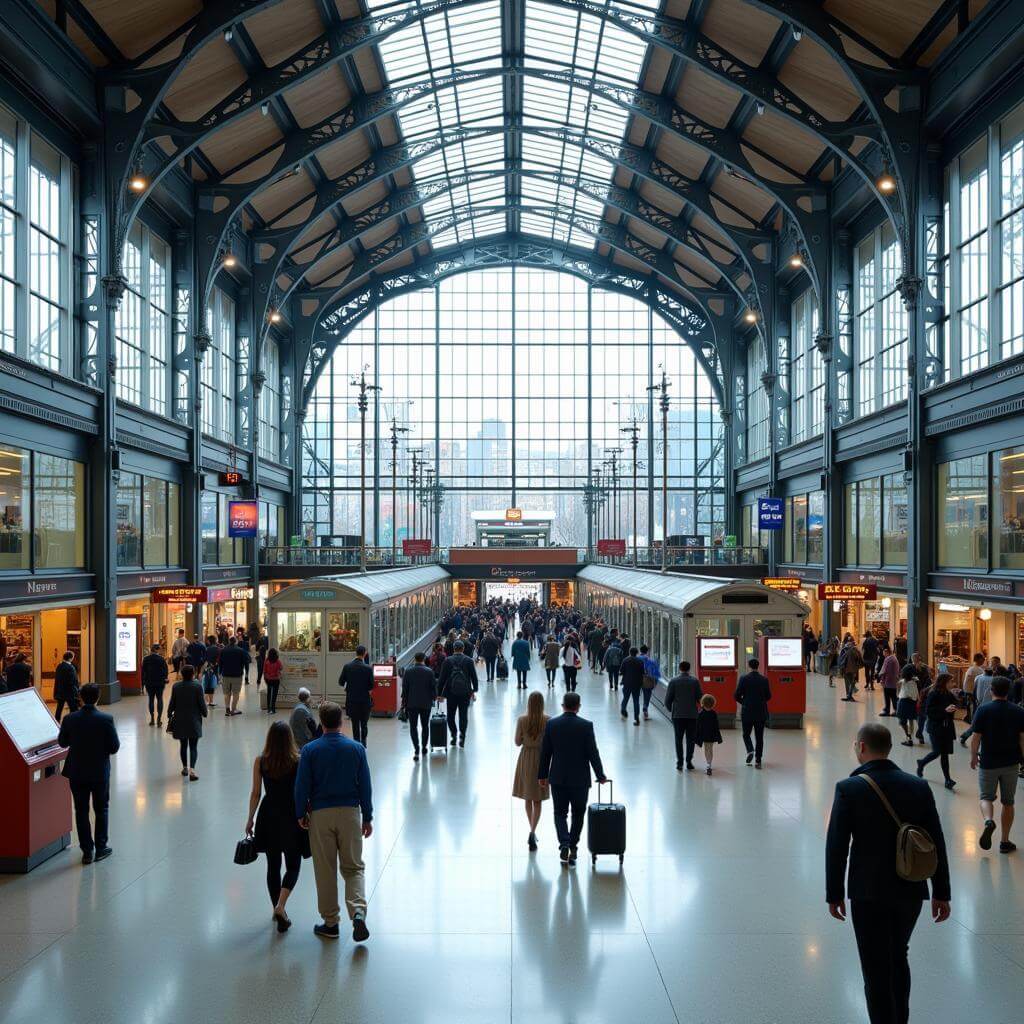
889,817
458,685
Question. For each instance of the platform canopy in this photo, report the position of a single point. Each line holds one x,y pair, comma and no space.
370,587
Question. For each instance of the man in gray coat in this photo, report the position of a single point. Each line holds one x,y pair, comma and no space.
682,701
303,721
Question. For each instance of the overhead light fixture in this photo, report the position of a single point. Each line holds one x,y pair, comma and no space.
886,602
798,34
759,107
275,316
750,317
229,34
265,108
230,260
985,614
946,607
137,182
796,261
886,183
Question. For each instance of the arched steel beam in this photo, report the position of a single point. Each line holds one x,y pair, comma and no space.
333,327
624,200
214,214
615,236
638,160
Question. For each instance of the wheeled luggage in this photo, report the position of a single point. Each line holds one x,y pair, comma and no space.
438,731
502,669
606,827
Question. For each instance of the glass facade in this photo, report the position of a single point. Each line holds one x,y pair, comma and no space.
757,402
806,371
270,403
515,386
217,547
803,530
963,496
876,521
148,527
218,370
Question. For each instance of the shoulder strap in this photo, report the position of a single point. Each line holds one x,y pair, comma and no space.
881,796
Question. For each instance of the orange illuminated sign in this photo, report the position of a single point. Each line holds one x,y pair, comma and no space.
513,580
179,595
847,591
788,583
514,515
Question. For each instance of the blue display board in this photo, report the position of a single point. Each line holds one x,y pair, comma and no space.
770,513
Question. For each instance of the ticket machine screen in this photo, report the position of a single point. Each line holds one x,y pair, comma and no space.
785,652
717,651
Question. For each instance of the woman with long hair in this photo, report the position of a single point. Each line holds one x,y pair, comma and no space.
938,709
276,829
272,666
529,733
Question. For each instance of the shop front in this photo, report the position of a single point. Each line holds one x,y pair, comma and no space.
975,615
44,618
139,596
805,590
227,607
884,616
266,592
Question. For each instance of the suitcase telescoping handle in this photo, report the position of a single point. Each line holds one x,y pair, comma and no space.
611,792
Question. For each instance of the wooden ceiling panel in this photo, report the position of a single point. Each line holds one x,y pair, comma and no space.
767,170
318,97
677,8
284,29
743,194
946,36
784,141
380,233
744,31
680,155
240,140
642,230
366,65
695,273
281,195
213,73
387,129
365,198
135,27
815,77
342,155
710,227
706,97
347,8
878,22
661,198
658,62
86,45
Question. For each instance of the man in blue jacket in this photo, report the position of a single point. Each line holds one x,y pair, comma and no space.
91,738
333,800
884,907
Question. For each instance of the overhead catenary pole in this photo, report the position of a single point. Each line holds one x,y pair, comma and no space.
363,404
412,518
428,492
633,430
395,431
614,509
663,404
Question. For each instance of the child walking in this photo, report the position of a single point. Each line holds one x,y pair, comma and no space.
708,731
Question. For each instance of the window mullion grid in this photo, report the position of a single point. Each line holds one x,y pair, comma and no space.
878,328
23,239
145,355
995,318
955,259
65,249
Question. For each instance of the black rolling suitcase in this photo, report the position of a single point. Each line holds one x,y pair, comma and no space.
438,731
502,668
606,827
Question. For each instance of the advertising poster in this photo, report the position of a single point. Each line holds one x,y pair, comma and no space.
717,651
785,652
298,669
243,518
127,645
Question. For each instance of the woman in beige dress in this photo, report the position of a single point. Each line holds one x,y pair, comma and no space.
529,733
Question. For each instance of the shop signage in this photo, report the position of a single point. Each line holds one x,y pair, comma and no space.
527,573
890,580
179,595
694,540
45,588
983,586
729,541
847,592
514,515
318,595
127,644
128,581
416,546
611,547
232,478
243,518
769,513
216,575
790,584
229,594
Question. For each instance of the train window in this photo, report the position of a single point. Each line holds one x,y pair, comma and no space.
298,631
342,631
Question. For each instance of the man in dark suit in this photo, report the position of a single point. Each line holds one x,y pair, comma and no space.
884,907
419,691
753,694
682,702
65,685
631,672
91,738
19,674
567,753
154,679
458,685
356,680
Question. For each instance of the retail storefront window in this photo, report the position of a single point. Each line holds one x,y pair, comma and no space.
803,529
298,631
1008,479
59,525
894,520
875,513
148,516
15,515
343,631
963,499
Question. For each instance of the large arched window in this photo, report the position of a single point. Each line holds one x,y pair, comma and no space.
514,386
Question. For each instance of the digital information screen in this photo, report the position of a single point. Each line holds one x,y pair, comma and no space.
785,652
27,720
717,651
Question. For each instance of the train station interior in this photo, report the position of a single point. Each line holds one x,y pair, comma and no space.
330,325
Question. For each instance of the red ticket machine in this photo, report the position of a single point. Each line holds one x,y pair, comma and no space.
35,801
718,670
385,690
782,661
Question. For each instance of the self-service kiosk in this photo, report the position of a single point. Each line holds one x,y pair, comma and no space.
718,670
35,801
385,690
782,661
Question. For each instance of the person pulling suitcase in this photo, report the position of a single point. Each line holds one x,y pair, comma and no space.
568,751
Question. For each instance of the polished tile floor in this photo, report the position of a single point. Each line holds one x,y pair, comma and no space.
717,916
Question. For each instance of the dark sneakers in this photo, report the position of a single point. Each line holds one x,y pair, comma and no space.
572,856
1007,847
87,858
563,854
750,758
360,933
326,931
985,841
103,853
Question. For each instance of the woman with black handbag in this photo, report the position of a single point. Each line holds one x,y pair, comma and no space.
940,706
276,829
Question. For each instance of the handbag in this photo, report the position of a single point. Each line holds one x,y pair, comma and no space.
245,851
916,857
649,682
170,724
403,715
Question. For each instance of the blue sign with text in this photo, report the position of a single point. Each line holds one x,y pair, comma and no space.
769,513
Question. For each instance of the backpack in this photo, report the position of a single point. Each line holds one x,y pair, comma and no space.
613,657
916,857
458,682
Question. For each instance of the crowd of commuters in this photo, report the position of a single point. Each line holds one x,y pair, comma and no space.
311,790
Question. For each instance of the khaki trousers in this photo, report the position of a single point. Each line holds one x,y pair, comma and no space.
336,835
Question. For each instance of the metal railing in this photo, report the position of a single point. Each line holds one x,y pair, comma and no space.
346,557
696,557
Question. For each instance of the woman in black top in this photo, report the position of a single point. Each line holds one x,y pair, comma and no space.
185,714
276,829
939,706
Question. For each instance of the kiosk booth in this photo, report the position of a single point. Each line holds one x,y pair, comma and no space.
35,801
782,661
715,624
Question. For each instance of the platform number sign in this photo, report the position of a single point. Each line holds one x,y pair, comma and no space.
769,513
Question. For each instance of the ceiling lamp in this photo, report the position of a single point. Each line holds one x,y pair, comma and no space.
750,317
230,260
275,317
886,183
137,182
796,261
985,614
